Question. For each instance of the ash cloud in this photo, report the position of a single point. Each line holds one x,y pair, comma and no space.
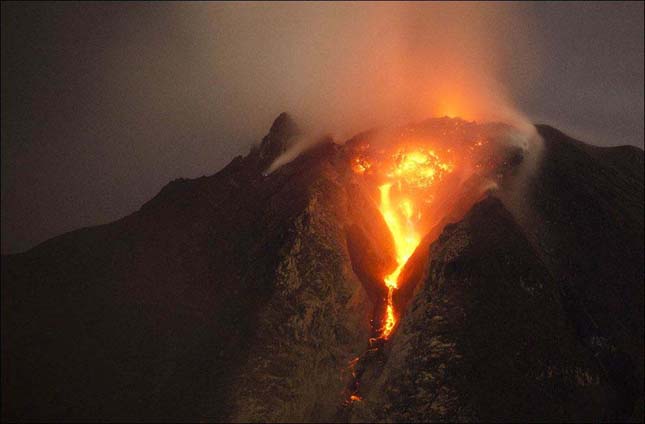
103,104
345,67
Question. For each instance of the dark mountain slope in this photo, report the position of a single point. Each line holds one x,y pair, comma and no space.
486,337
588,203
217,286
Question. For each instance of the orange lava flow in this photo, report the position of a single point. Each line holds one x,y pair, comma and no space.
413,170
407,176
406,240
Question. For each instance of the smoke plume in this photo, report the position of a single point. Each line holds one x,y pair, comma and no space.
345,67
104,104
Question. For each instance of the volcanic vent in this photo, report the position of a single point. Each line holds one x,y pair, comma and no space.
421,177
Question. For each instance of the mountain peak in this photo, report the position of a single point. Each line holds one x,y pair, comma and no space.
280,136
284,123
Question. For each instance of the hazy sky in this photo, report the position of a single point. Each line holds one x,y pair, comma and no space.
103,104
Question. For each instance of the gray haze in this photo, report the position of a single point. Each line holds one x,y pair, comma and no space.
103,104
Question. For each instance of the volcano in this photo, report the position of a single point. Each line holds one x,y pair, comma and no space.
442,271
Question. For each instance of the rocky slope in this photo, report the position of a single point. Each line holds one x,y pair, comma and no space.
486,338
243,297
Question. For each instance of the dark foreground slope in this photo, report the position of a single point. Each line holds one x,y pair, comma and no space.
486,337
243,297
588,230
227,297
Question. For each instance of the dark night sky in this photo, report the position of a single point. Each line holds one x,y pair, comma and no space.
103,104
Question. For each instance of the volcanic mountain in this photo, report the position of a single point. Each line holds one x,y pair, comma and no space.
443,271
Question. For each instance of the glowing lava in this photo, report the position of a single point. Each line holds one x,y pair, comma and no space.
425,176
406,240
411,174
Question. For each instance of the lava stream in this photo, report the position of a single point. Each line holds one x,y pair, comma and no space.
406,240
409,175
